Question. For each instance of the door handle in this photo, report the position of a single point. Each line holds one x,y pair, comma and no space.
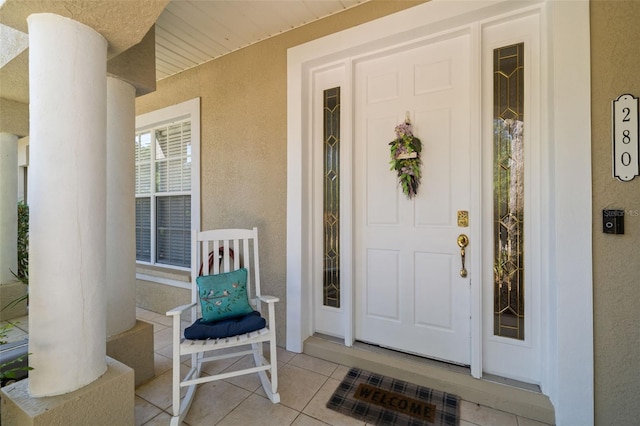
463,241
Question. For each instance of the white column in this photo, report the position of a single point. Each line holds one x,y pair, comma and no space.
8,208
121,230
67,199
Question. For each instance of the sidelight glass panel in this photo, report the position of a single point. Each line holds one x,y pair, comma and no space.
508,191
331,195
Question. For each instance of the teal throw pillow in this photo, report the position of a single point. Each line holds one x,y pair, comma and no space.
224,295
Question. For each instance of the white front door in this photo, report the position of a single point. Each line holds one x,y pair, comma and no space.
409,292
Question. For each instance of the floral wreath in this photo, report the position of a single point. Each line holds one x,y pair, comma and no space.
405,158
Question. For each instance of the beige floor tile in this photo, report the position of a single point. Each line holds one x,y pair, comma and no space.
317,408
215,367
161,364
163,339
284,355
145,411
250,382
304,420
340,372
157,327
161,419
257,410
213,401
183,325
321,366
154,316
163,319
158,390
298,386
484,416
144,314
523,421
167,351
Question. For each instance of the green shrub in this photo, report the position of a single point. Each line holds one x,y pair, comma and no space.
23,242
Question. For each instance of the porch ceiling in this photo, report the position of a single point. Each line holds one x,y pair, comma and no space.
188,32
191,32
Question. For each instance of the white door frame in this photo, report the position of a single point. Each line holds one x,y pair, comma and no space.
566,277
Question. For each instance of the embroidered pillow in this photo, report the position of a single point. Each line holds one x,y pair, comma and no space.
223,295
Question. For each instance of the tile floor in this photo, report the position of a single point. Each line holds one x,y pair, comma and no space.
305,385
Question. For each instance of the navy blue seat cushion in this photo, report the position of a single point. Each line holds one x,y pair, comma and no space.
201,330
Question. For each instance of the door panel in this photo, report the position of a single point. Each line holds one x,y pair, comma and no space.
380,189
434,208
433,309
409,293
383,288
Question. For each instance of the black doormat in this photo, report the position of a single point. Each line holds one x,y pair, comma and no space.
381,400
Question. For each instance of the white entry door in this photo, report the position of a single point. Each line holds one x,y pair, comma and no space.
410,294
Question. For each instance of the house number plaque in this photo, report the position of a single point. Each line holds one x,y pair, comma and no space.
625,137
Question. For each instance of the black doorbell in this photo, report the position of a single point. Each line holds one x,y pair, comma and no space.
613,221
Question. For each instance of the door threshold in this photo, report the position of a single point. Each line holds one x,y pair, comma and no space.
460,368
511,396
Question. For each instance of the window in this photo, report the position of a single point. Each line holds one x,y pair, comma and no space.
331,192
508,191
167,184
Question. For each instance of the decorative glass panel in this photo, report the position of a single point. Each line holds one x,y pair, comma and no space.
508,191
331,191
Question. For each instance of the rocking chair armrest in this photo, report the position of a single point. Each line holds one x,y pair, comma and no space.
180,309
268,299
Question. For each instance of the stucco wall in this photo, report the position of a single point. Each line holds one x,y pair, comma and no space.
244,136
615,66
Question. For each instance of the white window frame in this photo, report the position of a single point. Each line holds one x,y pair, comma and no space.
188,110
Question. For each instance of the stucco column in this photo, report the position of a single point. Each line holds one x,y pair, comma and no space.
67,199
121,230
8,208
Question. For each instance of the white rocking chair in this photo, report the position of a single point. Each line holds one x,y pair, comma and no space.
226,250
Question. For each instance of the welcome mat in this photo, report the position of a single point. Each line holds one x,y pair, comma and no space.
381,400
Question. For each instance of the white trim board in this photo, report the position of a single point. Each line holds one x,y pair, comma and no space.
567,347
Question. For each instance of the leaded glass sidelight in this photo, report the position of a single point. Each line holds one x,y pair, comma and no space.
508,191
331,198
